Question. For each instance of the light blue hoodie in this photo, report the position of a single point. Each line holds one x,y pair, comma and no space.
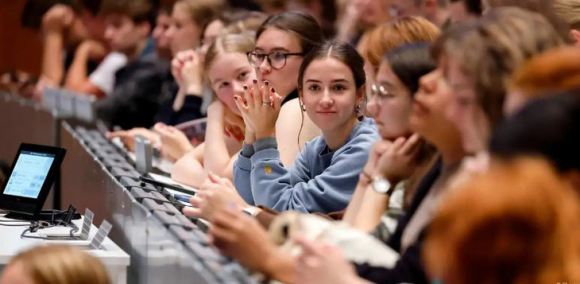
318,181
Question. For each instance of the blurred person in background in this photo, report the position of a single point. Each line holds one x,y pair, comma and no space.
517,223
134,100
465,11
358,16
377,42
479,60
64,25
546,127
54,264
569,11
555,70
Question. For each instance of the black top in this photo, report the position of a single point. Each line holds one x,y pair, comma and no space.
409,268
289,97
190,110
136,97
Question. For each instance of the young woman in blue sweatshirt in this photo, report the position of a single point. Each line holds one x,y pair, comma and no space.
323,177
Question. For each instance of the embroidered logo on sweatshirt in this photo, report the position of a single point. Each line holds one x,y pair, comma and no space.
268,170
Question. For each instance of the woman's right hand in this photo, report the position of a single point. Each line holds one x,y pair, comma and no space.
242,238
186,69
398,162
128,136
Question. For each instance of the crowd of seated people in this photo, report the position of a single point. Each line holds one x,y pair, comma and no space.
446,131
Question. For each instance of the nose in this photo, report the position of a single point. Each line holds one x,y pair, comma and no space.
109,31
238,88
265,67
373,107
169,32
326,101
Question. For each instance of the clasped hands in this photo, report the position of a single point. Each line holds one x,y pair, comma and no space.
260,107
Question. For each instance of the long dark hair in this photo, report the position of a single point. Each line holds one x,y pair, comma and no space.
299,24
410,62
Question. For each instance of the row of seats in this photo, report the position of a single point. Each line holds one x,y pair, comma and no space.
169,232
165,246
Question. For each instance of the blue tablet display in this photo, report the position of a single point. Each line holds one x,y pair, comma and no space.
29,174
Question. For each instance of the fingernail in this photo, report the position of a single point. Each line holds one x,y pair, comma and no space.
255,81
236,98
245,87
267,83
273,91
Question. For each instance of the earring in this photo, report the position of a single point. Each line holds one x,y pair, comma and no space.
358,110
302,107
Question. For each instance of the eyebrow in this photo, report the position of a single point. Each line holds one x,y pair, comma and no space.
273,49
333,81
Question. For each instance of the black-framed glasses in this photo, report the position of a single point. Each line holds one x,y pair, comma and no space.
276,59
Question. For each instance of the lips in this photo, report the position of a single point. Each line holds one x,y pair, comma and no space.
326,112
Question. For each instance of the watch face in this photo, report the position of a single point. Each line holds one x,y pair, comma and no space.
381,185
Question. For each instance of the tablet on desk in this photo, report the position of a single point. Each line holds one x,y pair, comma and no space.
30,178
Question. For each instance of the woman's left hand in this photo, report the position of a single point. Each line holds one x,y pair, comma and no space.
260,109
214,194
320,263
174,143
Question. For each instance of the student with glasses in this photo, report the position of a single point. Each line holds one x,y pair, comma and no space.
281,42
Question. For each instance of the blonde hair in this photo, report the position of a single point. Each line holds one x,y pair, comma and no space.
228,43
569,11
384,38
60,264
518,223
249,24
202,11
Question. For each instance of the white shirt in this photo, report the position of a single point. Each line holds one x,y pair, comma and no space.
104,76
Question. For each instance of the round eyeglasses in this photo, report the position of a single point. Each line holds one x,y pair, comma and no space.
379,92
276,59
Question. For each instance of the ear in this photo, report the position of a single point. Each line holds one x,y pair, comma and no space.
300,96
361,94
575,36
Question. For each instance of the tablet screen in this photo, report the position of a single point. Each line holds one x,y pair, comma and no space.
29,174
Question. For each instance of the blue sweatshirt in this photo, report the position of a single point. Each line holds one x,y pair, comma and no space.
318,181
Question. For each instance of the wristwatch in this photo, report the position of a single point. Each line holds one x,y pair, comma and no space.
382,185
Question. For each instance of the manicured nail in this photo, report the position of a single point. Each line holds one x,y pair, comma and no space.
245,87
255,81
272,89
236,98
267,83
